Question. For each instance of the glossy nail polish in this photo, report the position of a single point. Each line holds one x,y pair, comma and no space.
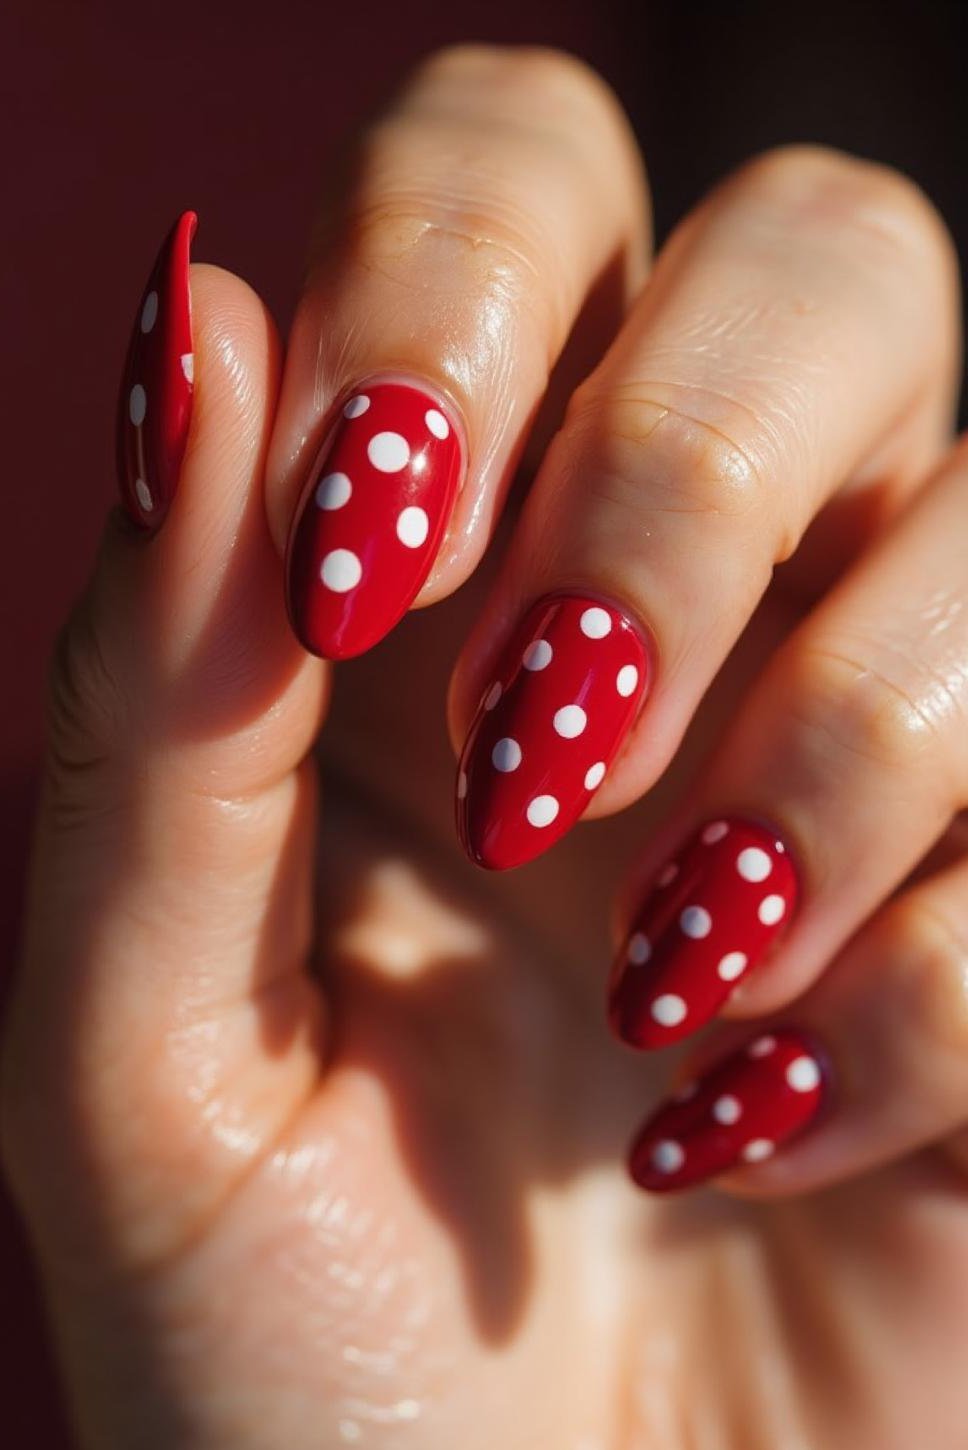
741,1111
550,722
372,516
155,406
709,918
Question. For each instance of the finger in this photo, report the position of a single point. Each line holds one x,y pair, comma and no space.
806,312
498,191
853,742
875,1069
170,904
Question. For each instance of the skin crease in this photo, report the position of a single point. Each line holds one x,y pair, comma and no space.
393,1213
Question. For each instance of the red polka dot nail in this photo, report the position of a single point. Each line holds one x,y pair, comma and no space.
155,406
550,723
374,511
741,1111
709,918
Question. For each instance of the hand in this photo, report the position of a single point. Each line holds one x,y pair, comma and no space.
322,1149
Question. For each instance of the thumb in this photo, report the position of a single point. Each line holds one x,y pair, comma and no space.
163,1026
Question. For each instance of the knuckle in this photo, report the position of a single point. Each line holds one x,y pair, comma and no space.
930,974
831,193
85,703
693,466
867,714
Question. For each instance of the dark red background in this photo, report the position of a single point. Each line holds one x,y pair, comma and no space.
118,115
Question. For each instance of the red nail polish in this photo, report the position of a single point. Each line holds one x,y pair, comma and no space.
550,722
708,919
739,1112
155,406
372,517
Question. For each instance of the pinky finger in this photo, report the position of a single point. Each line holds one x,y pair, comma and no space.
873,1066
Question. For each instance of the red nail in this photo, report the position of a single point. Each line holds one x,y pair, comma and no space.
561,700
372,517
708,919
739,1112
155,406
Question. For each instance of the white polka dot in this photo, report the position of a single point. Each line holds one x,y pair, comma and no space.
753,864
389,452
492,696
626,680
727,1110
413,526
771,910
696,921
731,966
668,1010
542,810
356,407
596,622
333,491
143,495
538,655
803,1074
137,405
462,785
668,1156
341,570
570,721
757,1150
437,423
669,874
187,361
640,949
149,313
779,848
763,1046
714,832
594,775
506,755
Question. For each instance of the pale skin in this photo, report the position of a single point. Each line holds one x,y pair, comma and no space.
329,1153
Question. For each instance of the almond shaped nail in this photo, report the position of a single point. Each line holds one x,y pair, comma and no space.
155,405
710,917
552,718
372,516
740,1112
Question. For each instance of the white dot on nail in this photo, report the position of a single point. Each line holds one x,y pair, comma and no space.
538,655
506,755
594,775
757,1150
668,1010
389,452
753,864
413,526
143,495
187,361
639,949
570,721
696,921
668,1156
333,491
626,680
731,966
763,1046
714,832
437,423
542,810
803,1074
149,313
771,910
356,407
727,1110
137,405
596,622
341,570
